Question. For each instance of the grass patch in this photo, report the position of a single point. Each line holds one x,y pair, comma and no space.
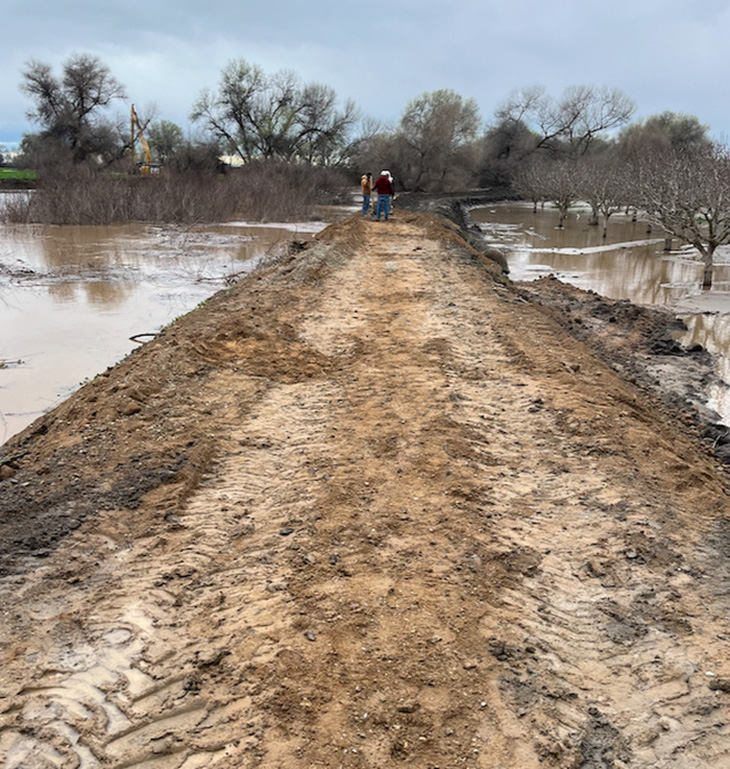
15,174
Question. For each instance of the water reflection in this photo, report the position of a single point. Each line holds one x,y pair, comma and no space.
629,263
71,297
101,294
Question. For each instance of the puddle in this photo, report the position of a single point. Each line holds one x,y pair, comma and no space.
71,298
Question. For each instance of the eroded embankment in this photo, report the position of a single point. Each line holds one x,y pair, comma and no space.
371,507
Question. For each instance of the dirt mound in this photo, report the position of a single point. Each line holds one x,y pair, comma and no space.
372,506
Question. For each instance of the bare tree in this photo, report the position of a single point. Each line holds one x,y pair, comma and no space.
70,108
438,131
530,180
260,116
687,193
560,178
601,182
228,113
323,132
575,119
554,179
274,115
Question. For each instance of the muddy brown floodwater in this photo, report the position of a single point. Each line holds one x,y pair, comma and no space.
630,263
71,297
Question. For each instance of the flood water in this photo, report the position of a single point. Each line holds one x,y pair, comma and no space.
71,298
629,263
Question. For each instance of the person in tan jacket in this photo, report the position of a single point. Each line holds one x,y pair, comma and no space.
367,187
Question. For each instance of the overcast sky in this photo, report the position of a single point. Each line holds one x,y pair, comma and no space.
664,54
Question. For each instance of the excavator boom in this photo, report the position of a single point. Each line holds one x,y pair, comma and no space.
135,127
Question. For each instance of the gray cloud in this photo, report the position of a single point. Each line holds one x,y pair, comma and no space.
665,54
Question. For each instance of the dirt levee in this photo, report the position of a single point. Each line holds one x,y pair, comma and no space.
370,507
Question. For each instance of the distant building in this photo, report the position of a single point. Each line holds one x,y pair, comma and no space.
231,160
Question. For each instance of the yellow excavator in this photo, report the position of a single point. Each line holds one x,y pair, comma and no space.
136,132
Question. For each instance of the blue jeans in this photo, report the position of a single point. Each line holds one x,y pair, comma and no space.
365,204
384,206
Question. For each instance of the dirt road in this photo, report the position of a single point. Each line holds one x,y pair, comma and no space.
372,507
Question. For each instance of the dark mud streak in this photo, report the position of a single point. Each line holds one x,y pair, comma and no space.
33,523
602,744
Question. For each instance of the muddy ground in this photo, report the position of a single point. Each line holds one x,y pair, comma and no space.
374,506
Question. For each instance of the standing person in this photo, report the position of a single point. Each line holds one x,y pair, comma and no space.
384,187
366,182
392,181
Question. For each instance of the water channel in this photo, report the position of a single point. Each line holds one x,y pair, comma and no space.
629,263
71,298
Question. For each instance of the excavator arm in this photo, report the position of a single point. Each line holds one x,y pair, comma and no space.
136,132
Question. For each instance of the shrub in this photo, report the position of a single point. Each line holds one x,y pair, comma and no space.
279,191
266,191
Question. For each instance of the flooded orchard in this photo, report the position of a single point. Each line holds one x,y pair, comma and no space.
629,263
73,298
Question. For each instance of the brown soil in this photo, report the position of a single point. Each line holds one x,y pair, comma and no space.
372,507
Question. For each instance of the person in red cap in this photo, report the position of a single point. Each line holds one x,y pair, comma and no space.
384,187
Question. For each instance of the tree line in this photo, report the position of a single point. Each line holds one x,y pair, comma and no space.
580,145
439,143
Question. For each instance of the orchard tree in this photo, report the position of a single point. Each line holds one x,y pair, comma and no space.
70,107
561,185
554,179
438,132
530,180
687,192
602,183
